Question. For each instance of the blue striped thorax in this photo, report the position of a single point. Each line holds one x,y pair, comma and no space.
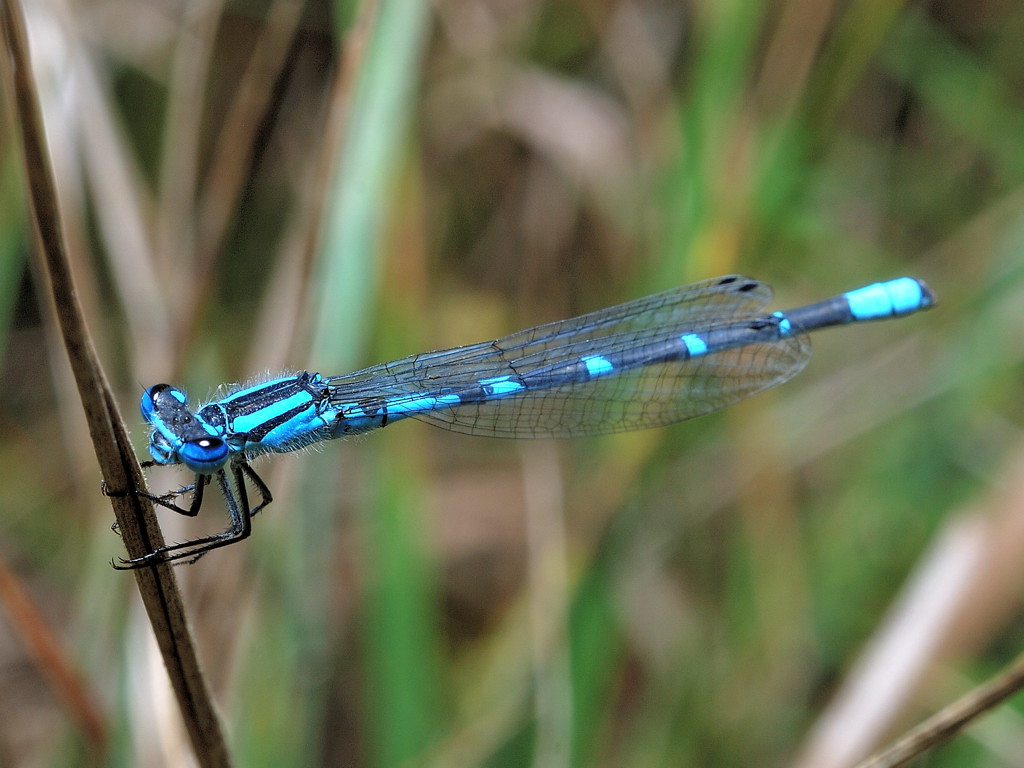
275,416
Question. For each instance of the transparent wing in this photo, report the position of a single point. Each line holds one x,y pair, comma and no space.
553,396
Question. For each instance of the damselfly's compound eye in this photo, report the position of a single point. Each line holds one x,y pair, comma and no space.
204,455
161,397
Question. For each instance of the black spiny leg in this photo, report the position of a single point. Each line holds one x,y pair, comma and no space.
166,500
257,481
239,512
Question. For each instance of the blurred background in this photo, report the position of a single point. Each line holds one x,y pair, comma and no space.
265,186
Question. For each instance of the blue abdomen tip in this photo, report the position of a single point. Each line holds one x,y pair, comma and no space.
893,298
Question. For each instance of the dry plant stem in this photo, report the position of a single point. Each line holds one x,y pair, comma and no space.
119,466
946,724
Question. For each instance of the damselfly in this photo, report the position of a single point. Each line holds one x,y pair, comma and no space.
650,362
